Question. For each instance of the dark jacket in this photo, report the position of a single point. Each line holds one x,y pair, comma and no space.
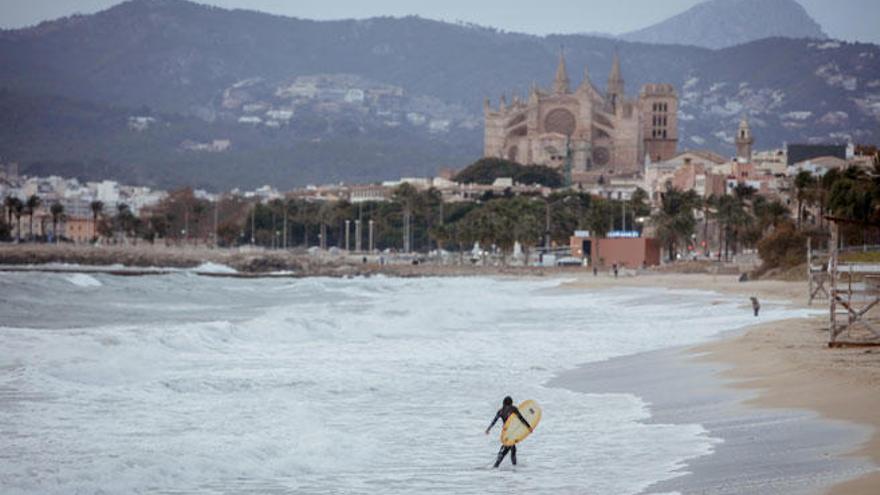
505,413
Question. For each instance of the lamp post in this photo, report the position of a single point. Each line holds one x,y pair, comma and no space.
216,215
284,239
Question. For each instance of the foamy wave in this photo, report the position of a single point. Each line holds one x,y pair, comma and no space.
210,267
83,280
317,385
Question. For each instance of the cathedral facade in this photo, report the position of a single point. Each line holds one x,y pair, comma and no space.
599,134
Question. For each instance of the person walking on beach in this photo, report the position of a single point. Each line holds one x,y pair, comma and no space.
614,267
756,306
507,408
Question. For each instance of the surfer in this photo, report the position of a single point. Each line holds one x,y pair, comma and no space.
507,408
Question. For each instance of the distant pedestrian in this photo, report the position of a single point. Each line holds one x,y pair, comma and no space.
756,306
595,271
614,267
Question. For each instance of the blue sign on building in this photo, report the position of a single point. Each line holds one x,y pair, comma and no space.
623,233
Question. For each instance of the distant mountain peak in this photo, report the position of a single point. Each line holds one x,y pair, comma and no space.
724,23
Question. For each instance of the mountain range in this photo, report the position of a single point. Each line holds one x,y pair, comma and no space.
169,92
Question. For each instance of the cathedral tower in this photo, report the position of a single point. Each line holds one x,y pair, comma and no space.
659,110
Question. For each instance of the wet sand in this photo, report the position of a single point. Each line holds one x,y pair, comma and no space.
795,416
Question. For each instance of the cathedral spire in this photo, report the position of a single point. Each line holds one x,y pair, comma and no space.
560,84
586,83
615,83
615,69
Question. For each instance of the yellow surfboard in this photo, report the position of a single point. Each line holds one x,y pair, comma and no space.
514,431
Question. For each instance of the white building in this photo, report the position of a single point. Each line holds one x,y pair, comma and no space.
107,192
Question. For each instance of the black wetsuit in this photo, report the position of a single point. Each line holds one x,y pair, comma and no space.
503,414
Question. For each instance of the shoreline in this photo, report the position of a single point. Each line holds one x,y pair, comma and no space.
148,260
755,450
791,368
778,373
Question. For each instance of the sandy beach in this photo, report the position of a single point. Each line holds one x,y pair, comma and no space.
786,366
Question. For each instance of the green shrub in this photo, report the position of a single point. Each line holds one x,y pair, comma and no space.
783,248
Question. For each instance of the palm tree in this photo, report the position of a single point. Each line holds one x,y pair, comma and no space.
125,221
734,217
327,216
97,209
410,201
57,210
710,207
33,202
822,191
18,210
9,203
675,220
852,195
598,222
803,183
433,205
291,210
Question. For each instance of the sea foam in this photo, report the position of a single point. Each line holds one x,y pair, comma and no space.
325,385
83,280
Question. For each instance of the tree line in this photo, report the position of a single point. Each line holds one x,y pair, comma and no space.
685,223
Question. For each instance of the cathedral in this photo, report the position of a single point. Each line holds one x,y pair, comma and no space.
595,134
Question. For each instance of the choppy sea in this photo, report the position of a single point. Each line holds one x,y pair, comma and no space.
186,384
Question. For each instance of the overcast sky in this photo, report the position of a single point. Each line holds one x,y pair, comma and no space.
843,19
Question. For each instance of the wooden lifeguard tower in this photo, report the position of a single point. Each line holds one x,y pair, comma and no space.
817,272
854,288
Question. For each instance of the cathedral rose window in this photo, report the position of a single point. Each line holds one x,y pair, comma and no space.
560,121
601,156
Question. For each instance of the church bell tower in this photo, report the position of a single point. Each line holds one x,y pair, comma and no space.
744,141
